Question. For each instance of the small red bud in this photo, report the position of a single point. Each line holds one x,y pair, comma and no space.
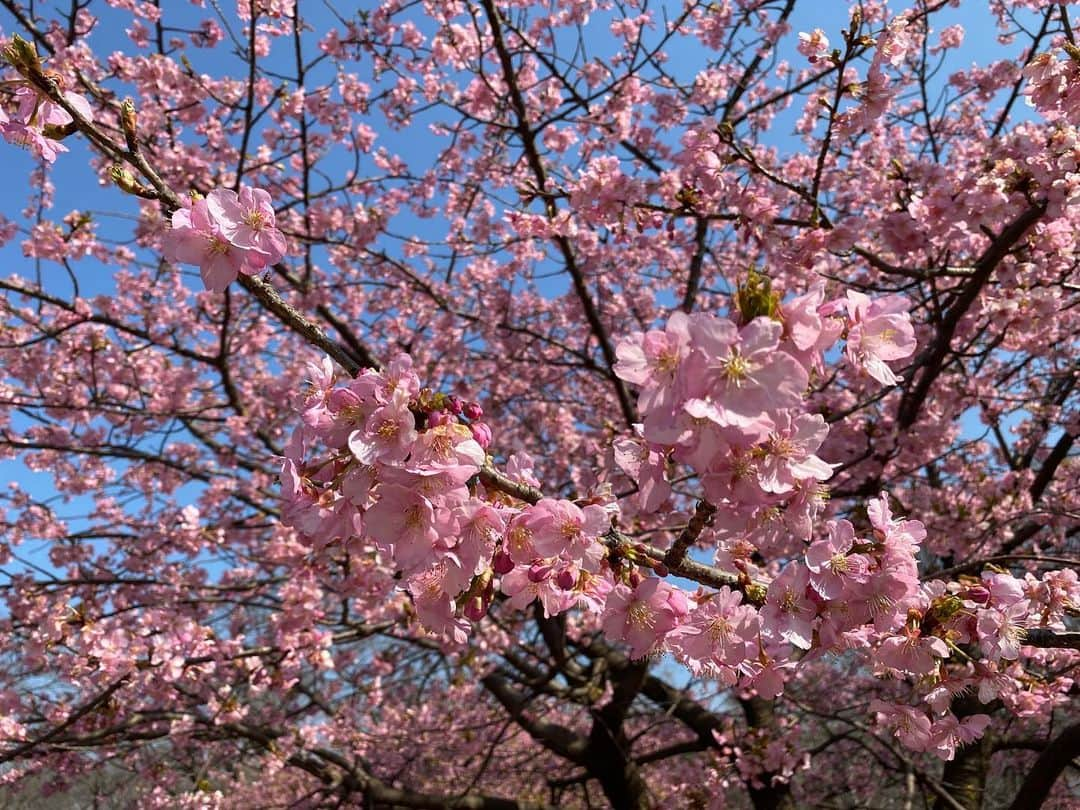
539,572
436,418
501,563
475,609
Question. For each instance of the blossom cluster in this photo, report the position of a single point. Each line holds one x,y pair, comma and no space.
729,402
39,123
226,233
1053,85
382,466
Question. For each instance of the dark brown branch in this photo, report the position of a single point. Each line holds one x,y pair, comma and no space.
703,515
555,738
1040,779
933,363
1052,639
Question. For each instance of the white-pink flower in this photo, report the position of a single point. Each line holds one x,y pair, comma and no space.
643,616
789,613
247,220
225,234
789,452
880,330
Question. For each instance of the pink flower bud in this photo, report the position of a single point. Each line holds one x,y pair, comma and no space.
454,405
475,608
539,571
436,418
501,563
482,433
472,410
566,579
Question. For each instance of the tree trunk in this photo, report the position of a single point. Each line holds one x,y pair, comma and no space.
965,776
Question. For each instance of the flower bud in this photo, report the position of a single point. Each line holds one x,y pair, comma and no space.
482,434
566,579
475,608
472,410
539,571
502,563
123,178
129,123
22,55
436,418
755,298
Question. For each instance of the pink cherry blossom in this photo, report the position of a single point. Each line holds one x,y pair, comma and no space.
644,615
789,613
247,220
833,569
880,330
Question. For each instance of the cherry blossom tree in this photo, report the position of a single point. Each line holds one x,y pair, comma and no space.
520,405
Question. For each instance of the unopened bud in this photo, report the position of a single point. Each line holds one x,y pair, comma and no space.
502,563
22,55
475,608
127,181
124,178
57,132
129,123
540,572
755,297
436,418
481,433
472,410
566,579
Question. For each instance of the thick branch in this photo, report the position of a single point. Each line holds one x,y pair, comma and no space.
1057,756
555,738
933,362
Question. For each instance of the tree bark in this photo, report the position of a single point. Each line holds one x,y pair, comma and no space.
1051,762
965,775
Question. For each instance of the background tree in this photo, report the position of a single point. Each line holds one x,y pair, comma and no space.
482,461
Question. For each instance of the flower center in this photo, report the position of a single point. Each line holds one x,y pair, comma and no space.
719,629
667,362
255,220
519,539
735,368
570,531
639,615
414,517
